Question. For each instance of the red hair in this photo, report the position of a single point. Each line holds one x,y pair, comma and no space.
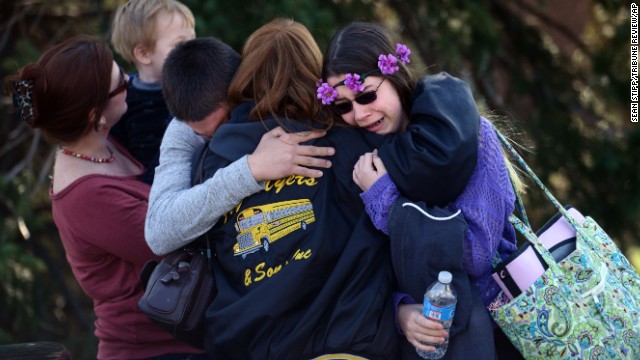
71,82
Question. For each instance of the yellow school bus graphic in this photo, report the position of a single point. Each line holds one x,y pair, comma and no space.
259,226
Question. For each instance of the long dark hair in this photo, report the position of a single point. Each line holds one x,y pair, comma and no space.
355,49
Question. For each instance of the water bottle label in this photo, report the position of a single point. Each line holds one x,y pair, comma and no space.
438,313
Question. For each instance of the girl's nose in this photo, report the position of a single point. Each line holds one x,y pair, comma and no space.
361,112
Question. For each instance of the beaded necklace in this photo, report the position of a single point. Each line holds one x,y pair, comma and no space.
90,158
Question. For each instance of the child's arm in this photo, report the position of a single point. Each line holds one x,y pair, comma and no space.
179,213
175,208
379,191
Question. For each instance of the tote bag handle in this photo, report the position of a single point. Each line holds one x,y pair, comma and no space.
537,244
535,178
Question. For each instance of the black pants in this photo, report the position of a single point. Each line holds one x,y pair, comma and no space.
504,347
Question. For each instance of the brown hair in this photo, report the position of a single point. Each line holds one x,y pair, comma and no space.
135,24
71,84
281,62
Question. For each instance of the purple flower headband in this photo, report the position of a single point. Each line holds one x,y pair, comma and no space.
387,65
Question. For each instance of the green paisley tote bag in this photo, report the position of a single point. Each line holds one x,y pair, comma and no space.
584,306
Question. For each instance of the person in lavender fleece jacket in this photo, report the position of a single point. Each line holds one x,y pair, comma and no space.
487,199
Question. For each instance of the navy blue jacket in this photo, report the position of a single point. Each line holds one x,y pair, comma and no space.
142,127
301,271
421,247
434,159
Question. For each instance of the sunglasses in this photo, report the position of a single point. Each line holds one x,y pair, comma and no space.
364,98
121,87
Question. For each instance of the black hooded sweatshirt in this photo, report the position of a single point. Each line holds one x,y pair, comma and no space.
300,269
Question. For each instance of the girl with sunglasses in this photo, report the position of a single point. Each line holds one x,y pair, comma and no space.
452,161
98,200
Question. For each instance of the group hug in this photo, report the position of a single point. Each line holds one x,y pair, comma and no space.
336,186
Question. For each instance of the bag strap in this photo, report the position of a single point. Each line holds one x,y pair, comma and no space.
535,178
536,243
198,178
519,202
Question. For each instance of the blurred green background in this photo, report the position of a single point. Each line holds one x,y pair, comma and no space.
558,72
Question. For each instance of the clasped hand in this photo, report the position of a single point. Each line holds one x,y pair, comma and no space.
279,154
368,170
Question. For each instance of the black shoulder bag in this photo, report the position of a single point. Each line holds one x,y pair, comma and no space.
181,286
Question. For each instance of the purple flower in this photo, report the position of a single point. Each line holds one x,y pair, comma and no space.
327,93
353,83
403,53
387,64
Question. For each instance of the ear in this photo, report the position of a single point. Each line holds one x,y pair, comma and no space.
141,55
92,116
93,119
208,126
224,109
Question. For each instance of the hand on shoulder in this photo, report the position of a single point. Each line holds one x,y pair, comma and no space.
279,154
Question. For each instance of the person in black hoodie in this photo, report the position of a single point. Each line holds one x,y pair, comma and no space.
301,271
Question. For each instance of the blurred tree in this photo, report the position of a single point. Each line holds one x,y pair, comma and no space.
224,20
558,70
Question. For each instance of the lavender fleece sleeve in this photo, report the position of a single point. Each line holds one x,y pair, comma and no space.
378,201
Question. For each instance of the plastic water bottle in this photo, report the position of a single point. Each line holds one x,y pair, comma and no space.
439,305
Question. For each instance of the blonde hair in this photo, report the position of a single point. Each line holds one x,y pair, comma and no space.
502,124
135,22
518,184
281,62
